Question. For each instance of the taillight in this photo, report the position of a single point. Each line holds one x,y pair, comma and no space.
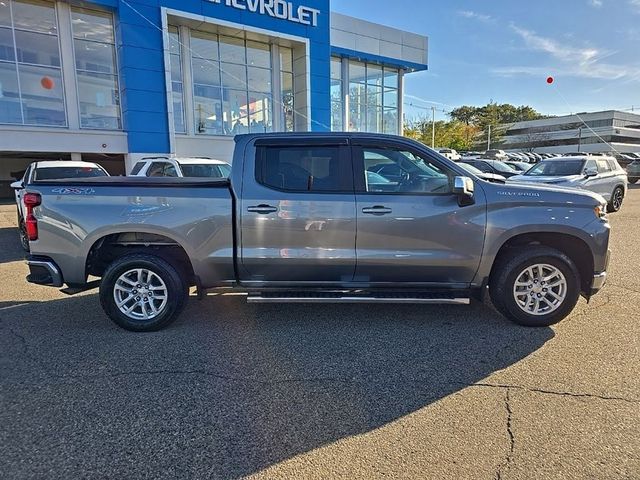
31,200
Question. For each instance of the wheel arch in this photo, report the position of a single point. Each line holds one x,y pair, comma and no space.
572,246
105,249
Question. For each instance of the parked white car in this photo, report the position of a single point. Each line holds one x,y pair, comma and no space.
450,153
50,170
180,167
602,175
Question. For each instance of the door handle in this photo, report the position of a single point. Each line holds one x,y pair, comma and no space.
262,209
377,210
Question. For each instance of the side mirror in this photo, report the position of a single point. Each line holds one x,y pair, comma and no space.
464,188
591,172
17,185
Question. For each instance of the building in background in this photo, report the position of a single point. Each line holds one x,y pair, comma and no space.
115,80
596,132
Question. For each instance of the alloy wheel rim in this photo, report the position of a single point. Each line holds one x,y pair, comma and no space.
140,294
540,289
617,199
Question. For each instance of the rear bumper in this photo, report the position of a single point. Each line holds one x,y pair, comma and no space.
44,271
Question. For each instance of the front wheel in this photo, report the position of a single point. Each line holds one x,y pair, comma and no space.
616,200
536,287
143,293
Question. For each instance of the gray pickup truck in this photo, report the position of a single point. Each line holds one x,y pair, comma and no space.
320,218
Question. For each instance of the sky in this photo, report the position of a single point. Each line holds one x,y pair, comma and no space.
504,50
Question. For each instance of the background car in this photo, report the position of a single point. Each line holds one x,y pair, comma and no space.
181,167
633,171
491,166
495,155
50,170
489,177
450,153
518,166
602,175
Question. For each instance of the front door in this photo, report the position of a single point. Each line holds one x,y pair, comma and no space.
298,215
411,229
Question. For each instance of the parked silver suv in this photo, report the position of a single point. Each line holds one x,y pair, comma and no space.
601,174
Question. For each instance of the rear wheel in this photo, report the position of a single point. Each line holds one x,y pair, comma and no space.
143,293
24,238
537,287
616,200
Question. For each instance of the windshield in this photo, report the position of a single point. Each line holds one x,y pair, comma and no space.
206,170
503,167
472,169
557,168
56,173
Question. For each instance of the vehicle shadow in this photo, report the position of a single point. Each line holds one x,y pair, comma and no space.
10,248
231,388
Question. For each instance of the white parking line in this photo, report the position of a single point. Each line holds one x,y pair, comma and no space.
13,306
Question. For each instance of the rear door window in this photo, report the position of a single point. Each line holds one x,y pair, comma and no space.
321,168
137,167
603,166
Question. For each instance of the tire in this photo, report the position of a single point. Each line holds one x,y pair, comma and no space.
24,239
633,180
616,200
512,267
153,308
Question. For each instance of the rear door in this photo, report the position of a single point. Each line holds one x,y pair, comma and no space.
298,217
414,233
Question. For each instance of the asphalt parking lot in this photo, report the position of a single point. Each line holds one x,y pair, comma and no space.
234,390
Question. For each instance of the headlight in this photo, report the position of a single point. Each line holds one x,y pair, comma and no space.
600,211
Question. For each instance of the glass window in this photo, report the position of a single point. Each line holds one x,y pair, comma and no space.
37,49
136,169
373,97
286,59
204,45
95,57
389,170
99,101
96,69
337,100
35,16
31,88
234,76
206,72
303,169
232,84
5,14
92,25
259,79
162,169
603,166
7,51
177,90
10,106
232,49
258,54
286,80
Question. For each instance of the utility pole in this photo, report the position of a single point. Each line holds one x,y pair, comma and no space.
489,139
433,127
580,140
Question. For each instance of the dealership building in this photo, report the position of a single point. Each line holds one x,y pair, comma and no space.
112,81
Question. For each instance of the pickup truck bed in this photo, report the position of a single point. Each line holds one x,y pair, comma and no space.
320,218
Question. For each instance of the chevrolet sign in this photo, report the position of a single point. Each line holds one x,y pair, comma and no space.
277,9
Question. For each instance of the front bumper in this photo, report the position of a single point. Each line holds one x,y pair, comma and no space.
44,271
600,279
